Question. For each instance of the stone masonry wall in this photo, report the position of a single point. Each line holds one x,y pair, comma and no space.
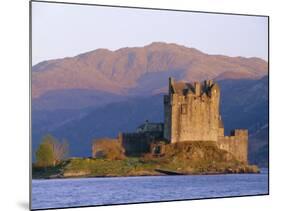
167,117
136,144
237,144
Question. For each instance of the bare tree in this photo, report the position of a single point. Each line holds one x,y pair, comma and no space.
60,149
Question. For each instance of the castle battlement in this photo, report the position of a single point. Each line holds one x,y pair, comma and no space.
207,89
239,132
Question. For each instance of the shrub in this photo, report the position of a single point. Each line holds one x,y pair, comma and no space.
108,149
45,155
51,151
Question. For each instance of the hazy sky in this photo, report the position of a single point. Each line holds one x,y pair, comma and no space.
61,30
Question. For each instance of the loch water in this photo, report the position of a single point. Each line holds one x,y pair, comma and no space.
58,193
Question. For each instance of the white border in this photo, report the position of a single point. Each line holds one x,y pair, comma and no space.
14,116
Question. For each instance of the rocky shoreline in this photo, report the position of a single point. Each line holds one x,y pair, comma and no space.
65,173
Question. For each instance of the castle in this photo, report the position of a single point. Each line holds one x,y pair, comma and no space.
191,113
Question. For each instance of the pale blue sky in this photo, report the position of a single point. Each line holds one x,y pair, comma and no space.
62,30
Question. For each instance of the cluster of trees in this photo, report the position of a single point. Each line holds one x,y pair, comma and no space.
51,151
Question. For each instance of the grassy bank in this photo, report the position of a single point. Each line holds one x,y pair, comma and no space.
90,167
182,158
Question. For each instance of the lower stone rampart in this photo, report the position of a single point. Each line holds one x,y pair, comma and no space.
236,143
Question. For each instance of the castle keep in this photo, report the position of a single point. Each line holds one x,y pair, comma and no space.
191,113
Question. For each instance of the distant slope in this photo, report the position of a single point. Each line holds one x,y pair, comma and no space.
244,103
106,121
74,99
259,146
135,70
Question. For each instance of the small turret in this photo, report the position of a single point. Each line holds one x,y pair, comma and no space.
215,90
209,83
197,87
171,83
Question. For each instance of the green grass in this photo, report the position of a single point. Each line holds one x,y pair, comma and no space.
104,167
186,158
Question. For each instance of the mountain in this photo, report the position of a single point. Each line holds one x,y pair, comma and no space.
246,98
259,146
136,70
100,93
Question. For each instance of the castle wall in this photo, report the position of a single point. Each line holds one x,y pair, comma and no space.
138,143
237,144
167,117
198,119
175,119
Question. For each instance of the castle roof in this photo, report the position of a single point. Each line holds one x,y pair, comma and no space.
150,127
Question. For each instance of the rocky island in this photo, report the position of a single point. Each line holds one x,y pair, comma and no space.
190,141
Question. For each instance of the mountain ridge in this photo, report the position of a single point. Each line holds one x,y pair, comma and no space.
76,97
120,70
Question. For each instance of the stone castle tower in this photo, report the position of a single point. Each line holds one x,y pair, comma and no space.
192,113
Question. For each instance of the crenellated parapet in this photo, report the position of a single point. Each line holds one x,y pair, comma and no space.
182,89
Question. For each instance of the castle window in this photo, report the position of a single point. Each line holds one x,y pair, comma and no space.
183,109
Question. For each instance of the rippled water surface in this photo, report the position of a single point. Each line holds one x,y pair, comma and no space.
116,190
